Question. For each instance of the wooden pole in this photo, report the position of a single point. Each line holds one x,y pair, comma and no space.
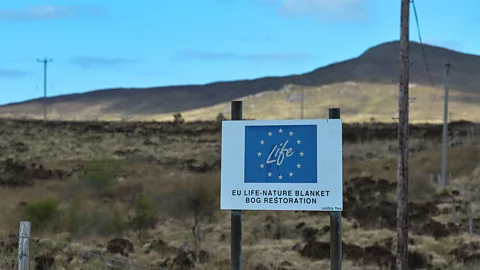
445,128
402,169
24,245
45,62
236,215
335,220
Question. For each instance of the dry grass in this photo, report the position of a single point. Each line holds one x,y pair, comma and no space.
158,170
360,102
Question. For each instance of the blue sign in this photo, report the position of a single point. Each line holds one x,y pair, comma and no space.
281,154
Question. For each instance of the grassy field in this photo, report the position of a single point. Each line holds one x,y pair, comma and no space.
157,185
359,102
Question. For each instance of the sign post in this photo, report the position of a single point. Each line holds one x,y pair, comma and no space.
335,220
236,215
283,165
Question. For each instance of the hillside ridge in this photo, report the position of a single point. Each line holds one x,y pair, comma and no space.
376,65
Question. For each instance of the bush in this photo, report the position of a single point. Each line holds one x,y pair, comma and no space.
178,118
78,220
202,202
220,117
145,214
202,199
101,175
42,212
197,198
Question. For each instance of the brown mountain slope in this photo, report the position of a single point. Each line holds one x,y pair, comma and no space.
375,68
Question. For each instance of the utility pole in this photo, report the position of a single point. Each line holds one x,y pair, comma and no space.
45,61
302,101
302,97
445,127
402,169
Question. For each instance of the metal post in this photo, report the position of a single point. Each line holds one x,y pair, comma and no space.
23,245
335,220
445,127
403,112
236,215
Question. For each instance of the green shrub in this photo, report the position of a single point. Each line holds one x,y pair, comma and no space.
76,220
42,212
79,220
202,199
101,175
145,213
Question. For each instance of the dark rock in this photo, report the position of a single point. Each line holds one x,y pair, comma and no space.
316,251
387,243
309,234
161,247
418,261
325,229
261,267
473,259
185,260
300,225
20,174
297,247
435,228
44,262
203,256
372,255
222,238
466,253
120,246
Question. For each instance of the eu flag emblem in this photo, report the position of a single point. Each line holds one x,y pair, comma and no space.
281,154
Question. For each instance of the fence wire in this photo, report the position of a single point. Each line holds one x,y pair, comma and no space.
8,253
39,254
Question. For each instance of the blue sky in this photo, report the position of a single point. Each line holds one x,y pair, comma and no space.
105,44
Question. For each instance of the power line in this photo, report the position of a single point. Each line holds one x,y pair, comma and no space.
422,46
427,66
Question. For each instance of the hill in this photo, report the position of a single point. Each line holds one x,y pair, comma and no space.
364,87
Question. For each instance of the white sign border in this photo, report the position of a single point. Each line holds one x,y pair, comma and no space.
329,134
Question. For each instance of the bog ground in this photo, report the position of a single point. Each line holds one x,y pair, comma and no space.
149,193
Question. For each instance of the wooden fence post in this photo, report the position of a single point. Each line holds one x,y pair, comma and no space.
24,245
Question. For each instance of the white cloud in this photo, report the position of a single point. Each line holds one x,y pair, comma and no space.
325,10
47,13
231,56
94,62
12,73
